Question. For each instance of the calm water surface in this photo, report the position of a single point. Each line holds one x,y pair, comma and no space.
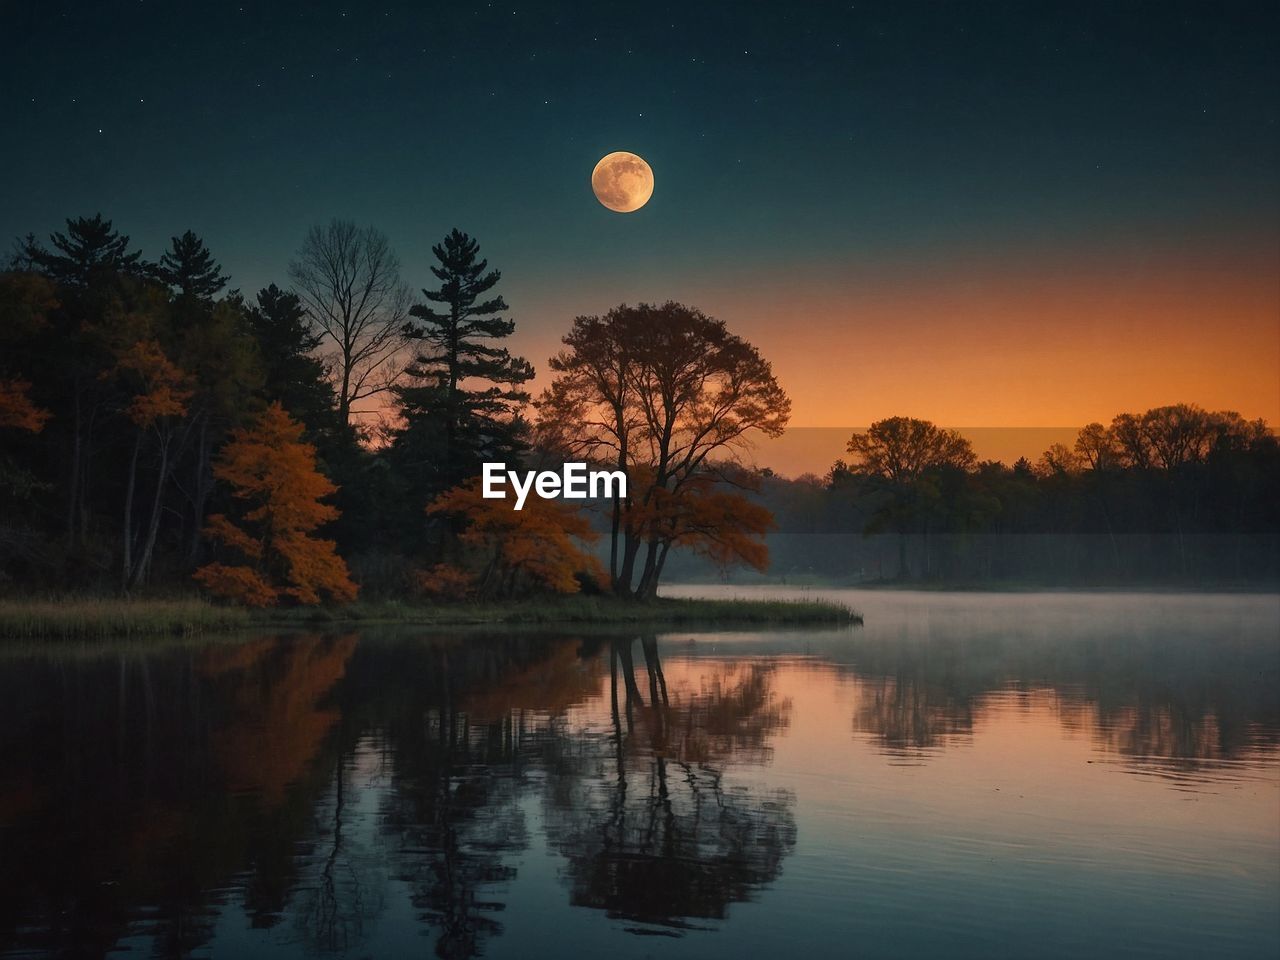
966,775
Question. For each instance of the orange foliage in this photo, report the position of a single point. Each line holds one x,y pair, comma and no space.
25,300
17,412
242,585
539,543
444,581
551,685
165,387
221,529
278,725
274,472
722,525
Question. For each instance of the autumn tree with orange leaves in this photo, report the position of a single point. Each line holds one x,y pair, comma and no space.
273,474
668,395
720,525
514,551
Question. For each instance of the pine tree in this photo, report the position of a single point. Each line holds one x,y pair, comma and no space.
96,281
189,266
465,406
88,254
292,374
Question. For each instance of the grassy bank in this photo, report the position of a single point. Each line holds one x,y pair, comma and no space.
86,619
597,610
94,618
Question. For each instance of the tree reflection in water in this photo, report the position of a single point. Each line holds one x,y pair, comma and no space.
1153,701
313,786
650,829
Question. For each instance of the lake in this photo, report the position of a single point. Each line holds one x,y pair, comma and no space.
969,775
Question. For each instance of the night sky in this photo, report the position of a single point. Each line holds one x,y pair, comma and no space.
987,214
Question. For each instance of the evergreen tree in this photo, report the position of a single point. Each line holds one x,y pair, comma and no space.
97,281
189,266
465,403
296,378
88,254
292,374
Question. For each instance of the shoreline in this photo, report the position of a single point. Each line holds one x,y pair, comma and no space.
1253,587
89,618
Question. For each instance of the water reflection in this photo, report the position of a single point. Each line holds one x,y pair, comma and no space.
651,832
1146,699
333,794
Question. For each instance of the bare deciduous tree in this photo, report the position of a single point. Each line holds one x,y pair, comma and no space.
348,278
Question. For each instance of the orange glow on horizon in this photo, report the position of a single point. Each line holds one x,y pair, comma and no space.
1016,353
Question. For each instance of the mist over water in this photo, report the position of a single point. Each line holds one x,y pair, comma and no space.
1057,774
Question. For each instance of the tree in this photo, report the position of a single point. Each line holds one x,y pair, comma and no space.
292,374
90,253
466,401
669,396
1059,459
720,525
539,546
188,266
348,279
273,473
226,371
899,454
1095,447
93,275
160,396
299,380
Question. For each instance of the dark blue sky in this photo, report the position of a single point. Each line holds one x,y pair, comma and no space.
775,130
787,139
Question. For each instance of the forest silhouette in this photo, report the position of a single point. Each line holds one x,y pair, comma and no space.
162,430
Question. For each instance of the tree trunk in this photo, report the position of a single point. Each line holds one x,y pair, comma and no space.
630,549
344,399
648,585
73,478
662,562
200,497
616,522
127,571
143,568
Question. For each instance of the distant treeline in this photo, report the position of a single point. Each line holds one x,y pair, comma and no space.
1175,494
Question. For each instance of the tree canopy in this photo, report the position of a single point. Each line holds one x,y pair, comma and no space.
668,395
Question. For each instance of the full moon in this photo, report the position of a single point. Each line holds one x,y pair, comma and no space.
622,181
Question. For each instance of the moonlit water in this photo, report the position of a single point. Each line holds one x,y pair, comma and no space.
966,774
